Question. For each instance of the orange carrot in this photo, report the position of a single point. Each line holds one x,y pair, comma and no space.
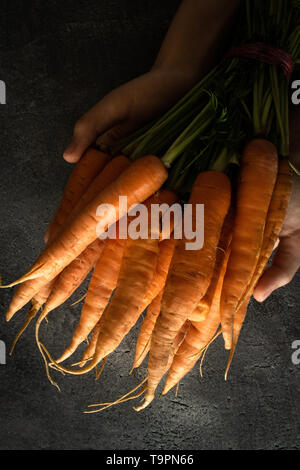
128,396
26,291
259,164
78,182
139,181
275,219
91,347
136,276
166,249
94,311
36,303
138,265
74,198
190,274
65,284
90,164
72,276
238,321
201,311
110,173
144,338
200,334
102,284
140,272
179,338
84,173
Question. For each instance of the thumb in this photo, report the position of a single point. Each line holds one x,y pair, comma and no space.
283,268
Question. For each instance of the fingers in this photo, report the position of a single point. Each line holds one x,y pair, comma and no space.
104,115
116,133
285,264
82,139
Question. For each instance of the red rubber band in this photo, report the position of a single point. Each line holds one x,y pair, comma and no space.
265,53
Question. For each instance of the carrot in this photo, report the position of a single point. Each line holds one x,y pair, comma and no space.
201,311
136,276
274,222
90,164
57,248
259,164
110,172
154,295
84,173
138,265
166,249
200,334
144,338
128,396
36,303
91,347
185,358
189,275
179,338
65,284
72,276
140,272
102,284
93,313
139,181
78,182
238,321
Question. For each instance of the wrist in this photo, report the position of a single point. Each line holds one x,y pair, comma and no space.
177,75
197,38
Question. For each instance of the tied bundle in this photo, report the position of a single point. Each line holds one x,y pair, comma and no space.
226,134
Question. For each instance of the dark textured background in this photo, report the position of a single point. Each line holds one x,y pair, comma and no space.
57,59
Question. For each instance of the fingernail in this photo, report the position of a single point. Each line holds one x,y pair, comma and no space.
69,152
261,297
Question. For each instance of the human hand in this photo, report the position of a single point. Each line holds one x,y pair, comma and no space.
286,259
127,107
192,46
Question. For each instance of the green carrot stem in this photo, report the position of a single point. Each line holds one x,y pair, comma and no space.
172,154
164,136
276,99
196,127
256,121
266,111
221,161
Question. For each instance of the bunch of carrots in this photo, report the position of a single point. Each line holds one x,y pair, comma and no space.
211,148
189,295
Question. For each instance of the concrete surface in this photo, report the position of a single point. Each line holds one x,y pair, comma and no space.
57,59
